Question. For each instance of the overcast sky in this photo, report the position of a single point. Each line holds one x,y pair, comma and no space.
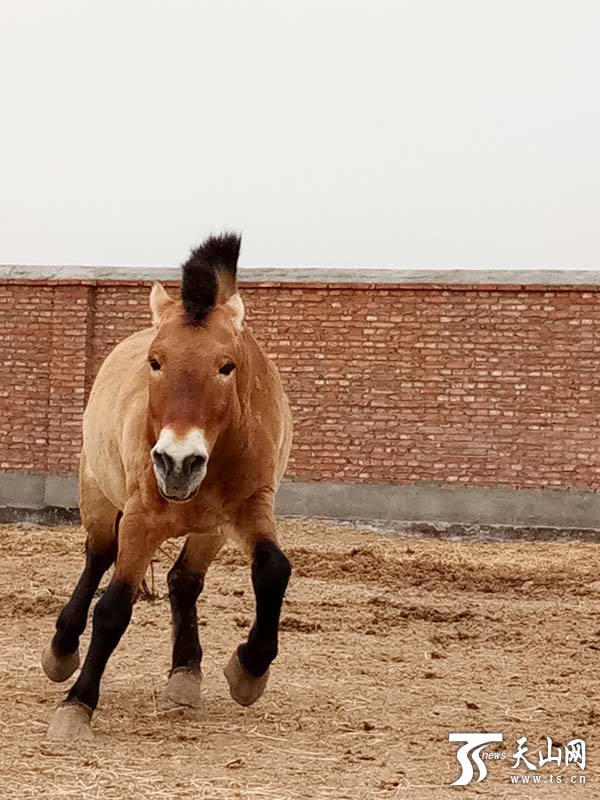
430,133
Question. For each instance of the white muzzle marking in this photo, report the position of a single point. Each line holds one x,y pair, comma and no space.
180,464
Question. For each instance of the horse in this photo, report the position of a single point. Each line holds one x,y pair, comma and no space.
186,433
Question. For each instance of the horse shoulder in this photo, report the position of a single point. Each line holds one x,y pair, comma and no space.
268,419
115,416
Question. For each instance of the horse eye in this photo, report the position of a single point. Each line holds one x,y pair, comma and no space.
154,364
227,369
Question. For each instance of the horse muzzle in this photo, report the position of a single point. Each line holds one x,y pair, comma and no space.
179,483
179,470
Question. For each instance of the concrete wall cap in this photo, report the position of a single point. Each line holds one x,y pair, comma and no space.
484,277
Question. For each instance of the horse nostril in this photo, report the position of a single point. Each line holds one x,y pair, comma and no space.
163,462
193,464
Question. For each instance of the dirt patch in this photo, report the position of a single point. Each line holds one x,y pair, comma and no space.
387,645
24,604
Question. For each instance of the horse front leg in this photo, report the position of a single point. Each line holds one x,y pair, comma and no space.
60,659
248,669
112,614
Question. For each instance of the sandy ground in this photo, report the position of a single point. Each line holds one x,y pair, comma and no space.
387,645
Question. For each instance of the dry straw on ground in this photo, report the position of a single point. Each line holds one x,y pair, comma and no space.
387,644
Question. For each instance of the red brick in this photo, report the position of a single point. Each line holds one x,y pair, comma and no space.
395,383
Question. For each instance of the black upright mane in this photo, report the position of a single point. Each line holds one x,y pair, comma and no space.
215,261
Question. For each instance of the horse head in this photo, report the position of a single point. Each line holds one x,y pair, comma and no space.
193,363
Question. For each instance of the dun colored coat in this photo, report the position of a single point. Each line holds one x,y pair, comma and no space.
187,432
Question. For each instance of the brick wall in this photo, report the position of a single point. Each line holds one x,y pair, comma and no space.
472,385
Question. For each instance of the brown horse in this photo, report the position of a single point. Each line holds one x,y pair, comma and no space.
187,432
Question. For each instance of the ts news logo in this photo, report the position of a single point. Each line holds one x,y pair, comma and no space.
469,754
526,769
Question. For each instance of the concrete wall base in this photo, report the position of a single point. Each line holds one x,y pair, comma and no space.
423,502
48,515
448,503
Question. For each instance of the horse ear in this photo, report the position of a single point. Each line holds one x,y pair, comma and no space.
235,308
159,302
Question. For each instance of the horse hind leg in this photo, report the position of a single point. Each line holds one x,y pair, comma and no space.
100,518
186,581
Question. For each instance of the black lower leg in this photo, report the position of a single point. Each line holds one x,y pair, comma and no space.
270,575
111,618
73,618
184,589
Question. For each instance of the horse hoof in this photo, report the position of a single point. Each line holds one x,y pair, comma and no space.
244,687
58,669
71,721
183,688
